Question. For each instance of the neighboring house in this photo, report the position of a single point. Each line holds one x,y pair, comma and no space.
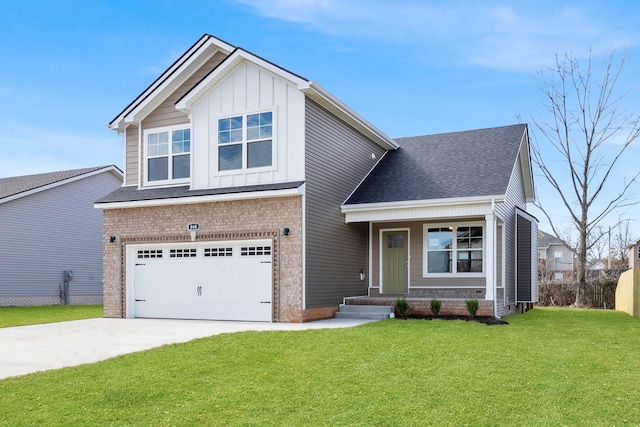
555,258
252,193
634,255
49,225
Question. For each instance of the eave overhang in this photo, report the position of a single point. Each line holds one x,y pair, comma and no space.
462,207
169,81
299,191
524,156
311,89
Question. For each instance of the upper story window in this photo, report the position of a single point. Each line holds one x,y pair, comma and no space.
168,155
557,256
457,249
245,141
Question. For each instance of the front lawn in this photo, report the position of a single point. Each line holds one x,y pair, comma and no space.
21,316
546,367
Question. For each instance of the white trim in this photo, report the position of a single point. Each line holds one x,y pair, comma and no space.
114,170
140,167
309,88
196,93
420,203
333,104
193,54
201,199
454,250
371,255
489,244
145,156
380,276
244,169
304,249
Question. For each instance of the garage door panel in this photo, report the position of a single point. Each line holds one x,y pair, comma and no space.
224,281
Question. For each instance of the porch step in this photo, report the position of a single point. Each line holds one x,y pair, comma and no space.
375,312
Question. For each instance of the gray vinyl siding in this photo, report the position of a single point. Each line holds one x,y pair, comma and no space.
337,158
523,262
131,149
416,253
506,211
166,114
54,230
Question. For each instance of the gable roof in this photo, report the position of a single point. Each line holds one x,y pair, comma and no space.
465,164
546,239
308,87
19,186
170,79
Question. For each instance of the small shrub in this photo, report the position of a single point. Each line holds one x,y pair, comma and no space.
435,307
472,306
402,305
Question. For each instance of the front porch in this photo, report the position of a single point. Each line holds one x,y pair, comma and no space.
422,306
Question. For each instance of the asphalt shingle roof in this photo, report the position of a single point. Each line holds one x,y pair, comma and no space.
20,184
546,239
449,165
133,194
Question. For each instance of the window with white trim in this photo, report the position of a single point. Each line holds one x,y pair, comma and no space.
557,256
454,250
245,141
167,155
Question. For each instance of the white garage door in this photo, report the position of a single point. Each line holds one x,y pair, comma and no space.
215,280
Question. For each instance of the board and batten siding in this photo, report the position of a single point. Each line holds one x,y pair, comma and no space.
50,231
506,211
337,158
248,88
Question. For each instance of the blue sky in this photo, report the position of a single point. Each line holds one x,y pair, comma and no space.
410,67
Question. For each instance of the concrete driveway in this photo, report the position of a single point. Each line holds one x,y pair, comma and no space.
27,349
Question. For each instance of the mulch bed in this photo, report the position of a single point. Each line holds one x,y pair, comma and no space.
489,321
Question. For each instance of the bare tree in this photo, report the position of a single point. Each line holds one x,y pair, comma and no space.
621,239
584,122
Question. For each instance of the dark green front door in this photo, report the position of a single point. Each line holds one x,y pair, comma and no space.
395,262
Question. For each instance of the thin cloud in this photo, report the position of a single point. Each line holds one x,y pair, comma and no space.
518,37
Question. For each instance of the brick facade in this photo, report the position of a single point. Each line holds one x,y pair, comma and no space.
263,218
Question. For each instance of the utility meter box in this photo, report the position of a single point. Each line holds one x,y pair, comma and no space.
68,275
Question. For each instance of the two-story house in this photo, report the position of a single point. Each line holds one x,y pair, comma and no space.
555,258
251,193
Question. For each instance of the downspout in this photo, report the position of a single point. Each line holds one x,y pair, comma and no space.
495,257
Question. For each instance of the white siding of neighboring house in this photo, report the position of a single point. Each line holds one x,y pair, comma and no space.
48,232
249,88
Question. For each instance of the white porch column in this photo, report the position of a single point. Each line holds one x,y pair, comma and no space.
490,255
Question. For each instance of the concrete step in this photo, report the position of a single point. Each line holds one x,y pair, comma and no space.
375,312
352,315
367,308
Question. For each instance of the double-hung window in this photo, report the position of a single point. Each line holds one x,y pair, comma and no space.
245,141
454,250
168,155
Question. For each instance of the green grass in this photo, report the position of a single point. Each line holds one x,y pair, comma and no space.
547,367
21,316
